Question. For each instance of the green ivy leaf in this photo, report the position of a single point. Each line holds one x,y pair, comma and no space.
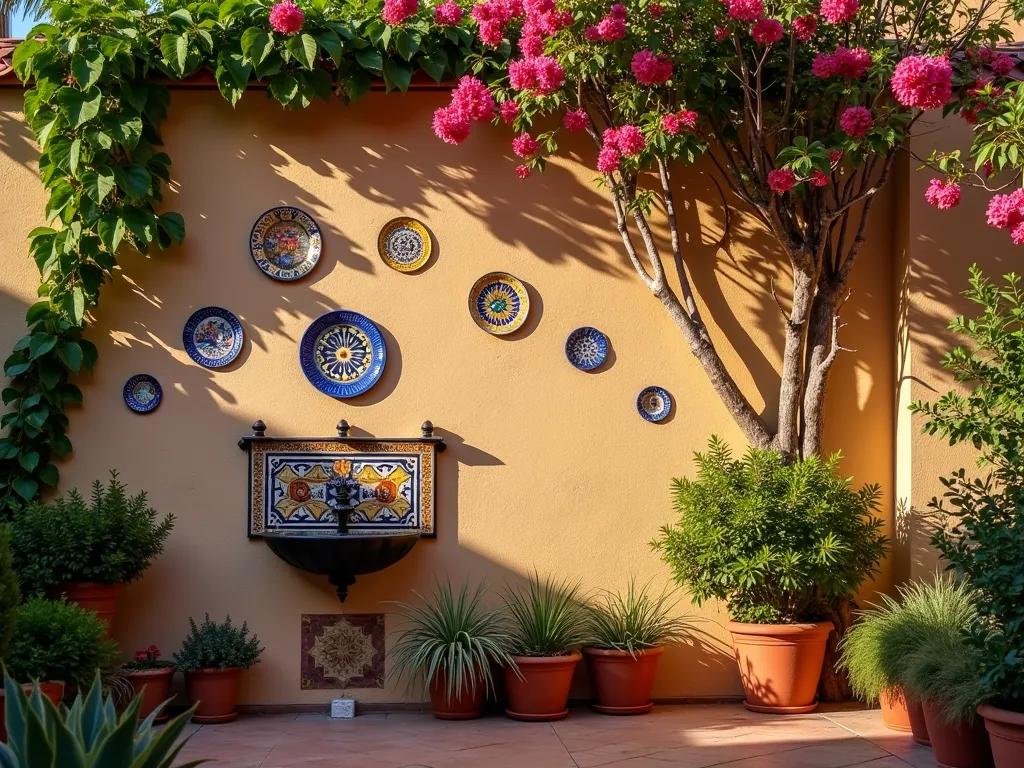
79,106
71,354
111,230
256,45
175,50
331,43
26,487
235,66
87,67
23,57
434,65
41,344
74,155
303,48
134,179
77,305
174,225
181,16
231,9
29,461
60,196
17,369
98,184
319,82
140,223
370,59
123,128
48,475
284,88
358,84
37,312
406,44
397,74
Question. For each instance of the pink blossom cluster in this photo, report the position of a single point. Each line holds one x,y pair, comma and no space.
576,120
1002,65
683,120
471,100
767,31
838,11
448,14
524,145
850,63
523,171
781,180
1007,212
819,178
617,143
804,27
943,194
745,10
655,10
509,110
721,33
650,68
397,11
835,155
540,75
286,18
925,82
611,28
493,16
856,122
542,20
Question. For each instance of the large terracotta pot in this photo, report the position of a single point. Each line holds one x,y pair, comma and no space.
894,710
216,691
101,599
622,682
466,704
780,664
53,691
541,689
1006,734
155,687
918,726
957,745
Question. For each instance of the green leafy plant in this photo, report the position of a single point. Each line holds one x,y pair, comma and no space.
547,617
451,637
88,733
944,671
781,542
214,645
110,539
10,592
147,658
59,641
634,621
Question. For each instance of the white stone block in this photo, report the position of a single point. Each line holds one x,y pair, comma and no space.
343,708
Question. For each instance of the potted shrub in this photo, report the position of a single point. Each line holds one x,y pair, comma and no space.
449,643
786,544
150,678
87,551
548,622
212,657
626,637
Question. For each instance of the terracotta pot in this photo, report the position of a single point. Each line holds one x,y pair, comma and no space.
101,599
53,691
1006,734
780,664
957,745
466,704
622,682
155,687
541,689
918,726
894,710
216,691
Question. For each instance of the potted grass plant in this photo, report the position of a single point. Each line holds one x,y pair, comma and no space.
548,622
448,644
626,637
150,678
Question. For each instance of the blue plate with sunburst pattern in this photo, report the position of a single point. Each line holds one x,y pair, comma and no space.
499,303
342,353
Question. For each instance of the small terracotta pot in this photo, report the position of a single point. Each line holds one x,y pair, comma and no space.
894,710
622,682
957,745
53,691
154,685
1006,733
216,691
101,599
918,726
466,704
780,664
540,691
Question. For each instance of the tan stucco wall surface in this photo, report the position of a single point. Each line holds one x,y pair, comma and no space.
548,468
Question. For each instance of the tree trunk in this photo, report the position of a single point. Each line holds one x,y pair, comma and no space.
820,354
791,387
834,684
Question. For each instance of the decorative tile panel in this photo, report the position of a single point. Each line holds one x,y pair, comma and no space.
342,651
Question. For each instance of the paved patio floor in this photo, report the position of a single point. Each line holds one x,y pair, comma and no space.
690,736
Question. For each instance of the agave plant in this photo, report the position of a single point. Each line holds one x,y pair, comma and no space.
89,733
548,618
635,621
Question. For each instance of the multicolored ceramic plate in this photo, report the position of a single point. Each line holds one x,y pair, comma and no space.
342,353
142,393
212,337
499,303
404,244
654,403
285,243
586,348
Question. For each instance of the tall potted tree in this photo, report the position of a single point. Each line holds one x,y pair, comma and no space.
213,656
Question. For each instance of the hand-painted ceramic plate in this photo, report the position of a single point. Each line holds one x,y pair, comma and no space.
499,303
404,244
342,353
212,337
285,243
654,403
142,393
586,348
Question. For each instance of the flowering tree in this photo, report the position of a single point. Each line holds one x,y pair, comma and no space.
798,107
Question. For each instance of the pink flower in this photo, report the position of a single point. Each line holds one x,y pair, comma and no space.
451,124
746,10
541,75
781,180
531,45
608,160
618,11
523,171
522,75
943,194
286,17
493,16
925,82
689,119
844,62
1017,233
593,34
1005,211
509,110
1002,65
835,155
650,68
397,11
655,10
838,11
472,97
721,33
970,116
819,178
448,14
804,27
524,145
538,7
767,31
856,122
629,140
611,29
683,120
576,120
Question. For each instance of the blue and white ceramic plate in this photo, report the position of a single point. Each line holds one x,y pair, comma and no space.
499,303
342,353
285,243
142,393
654,403
586,348
212,337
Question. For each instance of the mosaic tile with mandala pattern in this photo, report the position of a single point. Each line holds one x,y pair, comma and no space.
342,651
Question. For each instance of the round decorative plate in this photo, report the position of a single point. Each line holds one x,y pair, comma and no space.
499,303
586,348
654,403
212,337
342,353
285,243
404,244
142,393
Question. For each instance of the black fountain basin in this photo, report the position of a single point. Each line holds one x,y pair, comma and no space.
341,557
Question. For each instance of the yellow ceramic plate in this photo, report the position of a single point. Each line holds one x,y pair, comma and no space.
404,244
499,303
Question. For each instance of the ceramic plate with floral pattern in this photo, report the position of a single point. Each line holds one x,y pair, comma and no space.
342,353
499,303
654,403
142,393
212,337
586,348
404,244
285,243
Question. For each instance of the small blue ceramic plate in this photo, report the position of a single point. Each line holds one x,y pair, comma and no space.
212,337
142,393
654,403
586,348
342,353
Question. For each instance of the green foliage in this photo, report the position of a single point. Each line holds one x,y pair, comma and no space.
111,539
634,621
780,542
213,645
88,733
57,640
944,671
451,637
547,617
10,591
